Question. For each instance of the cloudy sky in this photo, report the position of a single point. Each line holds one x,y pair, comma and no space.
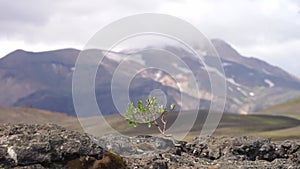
266,29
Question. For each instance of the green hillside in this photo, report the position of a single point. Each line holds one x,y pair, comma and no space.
290,109
261,125
277,127
37,116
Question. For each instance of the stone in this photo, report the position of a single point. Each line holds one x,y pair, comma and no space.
48,146
140,146
226,152
25,146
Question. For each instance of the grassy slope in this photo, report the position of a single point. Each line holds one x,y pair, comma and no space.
263,125
231,124
32,115
290,109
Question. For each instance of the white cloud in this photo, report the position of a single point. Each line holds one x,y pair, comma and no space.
267,29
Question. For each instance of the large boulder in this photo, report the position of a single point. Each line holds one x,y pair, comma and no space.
51,146
135,147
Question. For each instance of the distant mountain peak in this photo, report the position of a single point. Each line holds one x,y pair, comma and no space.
225,50
220,41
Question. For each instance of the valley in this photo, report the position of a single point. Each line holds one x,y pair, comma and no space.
276,127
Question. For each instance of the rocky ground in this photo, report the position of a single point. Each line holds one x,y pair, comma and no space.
51,146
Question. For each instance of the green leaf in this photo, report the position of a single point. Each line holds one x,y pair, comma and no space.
127,117
149,112
132,123
173,106
149,124
141,106
161,109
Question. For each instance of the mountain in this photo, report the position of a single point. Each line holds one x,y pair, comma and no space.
253,83
44,79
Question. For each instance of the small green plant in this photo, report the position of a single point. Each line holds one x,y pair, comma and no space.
148,114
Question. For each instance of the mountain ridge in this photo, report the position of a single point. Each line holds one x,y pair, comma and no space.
44,80
234,55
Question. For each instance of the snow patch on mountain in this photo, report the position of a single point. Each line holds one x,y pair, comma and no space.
231,80
269,82
158,75
242,91
226,64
